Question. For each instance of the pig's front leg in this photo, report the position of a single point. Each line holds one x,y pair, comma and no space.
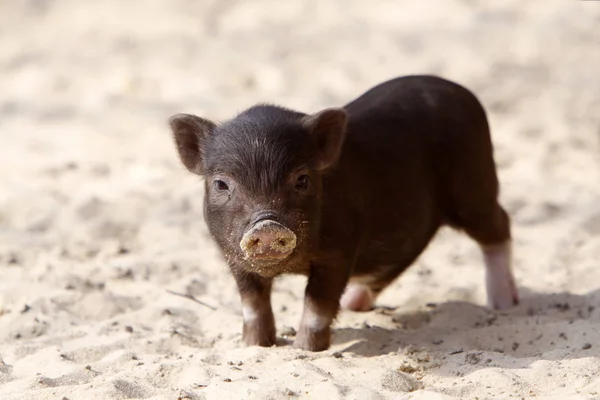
259,323
321,304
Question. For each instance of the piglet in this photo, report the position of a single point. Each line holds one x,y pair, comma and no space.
348,196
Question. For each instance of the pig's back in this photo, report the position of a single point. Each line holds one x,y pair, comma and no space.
407,140
420,125
417,107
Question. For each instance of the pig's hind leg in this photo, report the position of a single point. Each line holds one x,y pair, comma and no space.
357,297
472,205
489,225
363,290
500,283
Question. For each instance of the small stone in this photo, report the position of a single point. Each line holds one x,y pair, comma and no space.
123,250
473,358
397,381
13,259
287,331
586,346
406,368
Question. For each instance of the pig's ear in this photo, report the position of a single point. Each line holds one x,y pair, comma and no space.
190,132
328,127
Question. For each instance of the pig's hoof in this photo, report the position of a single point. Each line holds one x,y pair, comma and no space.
504,302
500,282
312,341
502,293
258,337
357,297
261,341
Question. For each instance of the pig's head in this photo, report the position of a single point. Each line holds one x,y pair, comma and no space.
263,171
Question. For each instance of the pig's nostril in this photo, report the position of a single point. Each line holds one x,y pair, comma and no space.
283,244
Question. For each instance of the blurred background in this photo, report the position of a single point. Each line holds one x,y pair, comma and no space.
98,217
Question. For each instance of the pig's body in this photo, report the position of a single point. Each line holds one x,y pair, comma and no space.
385,173
417,154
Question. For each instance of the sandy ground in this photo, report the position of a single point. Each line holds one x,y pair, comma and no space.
99,223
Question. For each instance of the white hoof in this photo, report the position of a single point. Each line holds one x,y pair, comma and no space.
357,297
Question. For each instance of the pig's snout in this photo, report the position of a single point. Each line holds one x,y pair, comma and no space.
268,240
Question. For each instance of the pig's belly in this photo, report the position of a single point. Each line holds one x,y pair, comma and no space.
395,247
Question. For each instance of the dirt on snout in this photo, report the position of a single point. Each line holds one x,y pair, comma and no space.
283,241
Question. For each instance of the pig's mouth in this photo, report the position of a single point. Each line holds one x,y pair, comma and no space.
268,242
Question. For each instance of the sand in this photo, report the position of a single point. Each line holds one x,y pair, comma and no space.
101,226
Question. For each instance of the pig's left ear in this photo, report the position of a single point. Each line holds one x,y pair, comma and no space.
328,127
190,132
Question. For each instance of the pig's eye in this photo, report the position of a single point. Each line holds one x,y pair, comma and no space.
220,185
303,182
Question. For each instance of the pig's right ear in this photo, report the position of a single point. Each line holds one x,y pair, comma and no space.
190,132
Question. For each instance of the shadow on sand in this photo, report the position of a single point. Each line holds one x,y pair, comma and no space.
543,326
